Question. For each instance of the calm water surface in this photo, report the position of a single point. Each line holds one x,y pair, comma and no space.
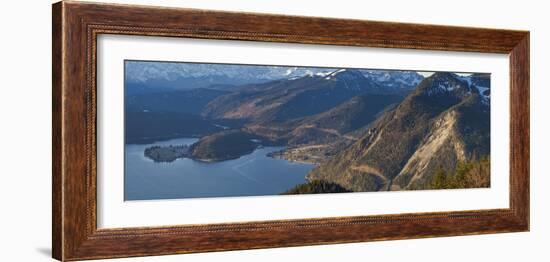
250,175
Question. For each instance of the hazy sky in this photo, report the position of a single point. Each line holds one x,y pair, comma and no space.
143,70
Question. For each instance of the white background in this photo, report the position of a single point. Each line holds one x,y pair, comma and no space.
25,59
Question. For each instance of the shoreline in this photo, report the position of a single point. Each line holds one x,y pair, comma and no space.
158,145
292,160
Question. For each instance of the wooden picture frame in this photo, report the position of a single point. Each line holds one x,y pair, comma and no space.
76,26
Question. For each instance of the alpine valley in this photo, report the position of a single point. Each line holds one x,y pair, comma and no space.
361,130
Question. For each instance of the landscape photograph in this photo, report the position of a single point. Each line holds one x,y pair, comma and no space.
197,130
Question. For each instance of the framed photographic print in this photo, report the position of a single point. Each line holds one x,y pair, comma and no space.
182,130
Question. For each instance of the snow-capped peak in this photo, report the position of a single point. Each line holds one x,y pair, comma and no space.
461,85
394,79
290,71
331,75
323,74
483,90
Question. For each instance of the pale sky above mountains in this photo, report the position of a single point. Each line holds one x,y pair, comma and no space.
141,71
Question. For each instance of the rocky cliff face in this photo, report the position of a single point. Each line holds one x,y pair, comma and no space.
444,121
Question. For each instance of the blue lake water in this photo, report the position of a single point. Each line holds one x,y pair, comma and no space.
250,175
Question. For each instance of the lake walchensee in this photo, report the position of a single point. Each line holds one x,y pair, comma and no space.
250,175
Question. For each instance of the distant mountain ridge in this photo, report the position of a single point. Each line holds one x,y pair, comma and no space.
394,80
147,77
284,100
176,101
141,71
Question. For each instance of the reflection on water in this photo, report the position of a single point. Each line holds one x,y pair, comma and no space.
250,175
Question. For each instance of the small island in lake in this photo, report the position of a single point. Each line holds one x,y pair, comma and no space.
167,153
225,145
221,146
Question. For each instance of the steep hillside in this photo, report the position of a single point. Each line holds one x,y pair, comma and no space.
352,114
332,124
445,120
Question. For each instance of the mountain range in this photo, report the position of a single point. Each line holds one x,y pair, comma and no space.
366,130
151,77
294,98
